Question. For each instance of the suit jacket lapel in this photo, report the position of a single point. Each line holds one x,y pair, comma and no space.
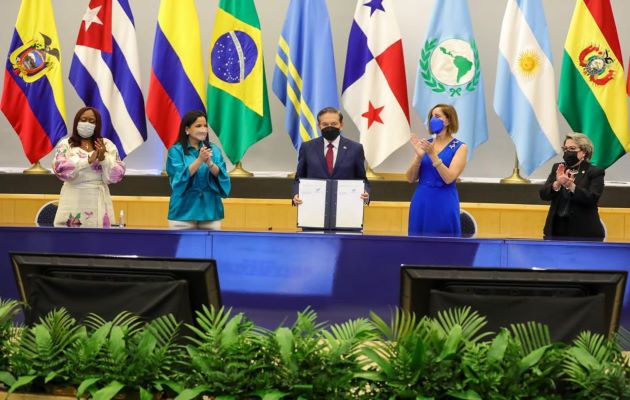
582,171
321,148
341,153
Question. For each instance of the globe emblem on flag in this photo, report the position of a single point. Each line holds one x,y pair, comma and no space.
233,56
452,62
449,65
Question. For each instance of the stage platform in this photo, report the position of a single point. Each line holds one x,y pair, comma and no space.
270,276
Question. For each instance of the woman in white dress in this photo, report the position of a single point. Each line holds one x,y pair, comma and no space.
87,163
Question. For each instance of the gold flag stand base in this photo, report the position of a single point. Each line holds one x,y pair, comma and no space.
36,169
239,171
291,175
373,176
516,176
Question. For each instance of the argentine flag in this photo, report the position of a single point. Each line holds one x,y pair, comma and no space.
449,72
524,95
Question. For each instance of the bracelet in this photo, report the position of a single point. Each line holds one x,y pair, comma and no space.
438,163
210,164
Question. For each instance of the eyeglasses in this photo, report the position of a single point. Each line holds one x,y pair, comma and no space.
327,124
571,148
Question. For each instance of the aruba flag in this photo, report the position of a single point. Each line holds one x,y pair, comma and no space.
304,78
238,103
105,72
32,96
524,94
177,77
592,95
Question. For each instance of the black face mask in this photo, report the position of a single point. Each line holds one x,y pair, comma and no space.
330,133
570,158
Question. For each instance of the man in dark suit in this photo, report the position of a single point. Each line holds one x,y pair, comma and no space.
330,156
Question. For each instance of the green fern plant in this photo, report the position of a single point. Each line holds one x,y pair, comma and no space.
40,354
594,367
9,335
126,355
521,364
320,361
225,356
421,358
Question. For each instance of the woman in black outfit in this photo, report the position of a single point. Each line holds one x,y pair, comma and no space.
574,187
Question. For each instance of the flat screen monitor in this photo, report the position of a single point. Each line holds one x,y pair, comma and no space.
108,284
568,301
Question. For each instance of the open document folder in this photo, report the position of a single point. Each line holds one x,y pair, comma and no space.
331,204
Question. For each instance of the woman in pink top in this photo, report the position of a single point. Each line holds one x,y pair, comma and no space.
87,163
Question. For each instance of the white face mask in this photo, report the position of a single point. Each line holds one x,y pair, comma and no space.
85,129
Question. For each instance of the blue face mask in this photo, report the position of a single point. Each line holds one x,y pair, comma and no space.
436,125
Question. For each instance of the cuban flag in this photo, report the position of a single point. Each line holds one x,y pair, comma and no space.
374,88
105,72
524,94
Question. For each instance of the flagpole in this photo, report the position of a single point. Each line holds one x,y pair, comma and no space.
239,171
36,169
516,177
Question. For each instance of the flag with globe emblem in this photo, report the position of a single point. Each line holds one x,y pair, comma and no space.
449,71
238,104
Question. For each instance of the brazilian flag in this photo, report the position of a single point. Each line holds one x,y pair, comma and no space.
238,105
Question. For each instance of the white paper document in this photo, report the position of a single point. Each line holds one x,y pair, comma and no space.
349,212
312,212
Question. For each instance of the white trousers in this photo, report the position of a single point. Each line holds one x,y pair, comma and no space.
207,225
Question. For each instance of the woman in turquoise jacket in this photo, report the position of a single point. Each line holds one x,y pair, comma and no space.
198,178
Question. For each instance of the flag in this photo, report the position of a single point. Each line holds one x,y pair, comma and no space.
304,78
105,72
32,95
449,71
177,78
374,88
592,95
524,93
238,104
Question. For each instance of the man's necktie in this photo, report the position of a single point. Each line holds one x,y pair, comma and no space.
329,158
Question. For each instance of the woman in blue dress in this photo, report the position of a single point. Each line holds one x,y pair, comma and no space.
437,164
198,177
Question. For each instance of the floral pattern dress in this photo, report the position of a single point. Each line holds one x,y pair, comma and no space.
85,200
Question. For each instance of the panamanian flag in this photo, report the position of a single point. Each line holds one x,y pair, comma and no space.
105,72
374,89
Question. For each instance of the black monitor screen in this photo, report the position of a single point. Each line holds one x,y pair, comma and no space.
107,285
567,301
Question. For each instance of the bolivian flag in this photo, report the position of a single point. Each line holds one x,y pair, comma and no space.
238,104
592,95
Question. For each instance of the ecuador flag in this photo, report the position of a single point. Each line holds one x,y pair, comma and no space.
592,95
32,96
238,104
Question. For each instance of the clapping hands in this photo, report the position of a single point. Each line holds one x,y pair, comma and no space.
421,146
564,177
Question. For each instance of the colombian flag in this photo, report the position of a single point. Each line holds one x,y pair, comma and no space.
177,78
592,95
238,104
32,96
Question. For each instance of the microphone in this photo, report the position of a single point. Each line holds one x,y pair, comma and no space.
433,136
206,142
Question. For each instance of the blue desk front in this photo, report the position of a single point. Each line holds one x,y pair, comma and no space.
271,275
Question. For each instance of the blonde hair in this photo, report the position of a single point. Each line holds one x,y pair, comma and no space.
583,142
451,115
